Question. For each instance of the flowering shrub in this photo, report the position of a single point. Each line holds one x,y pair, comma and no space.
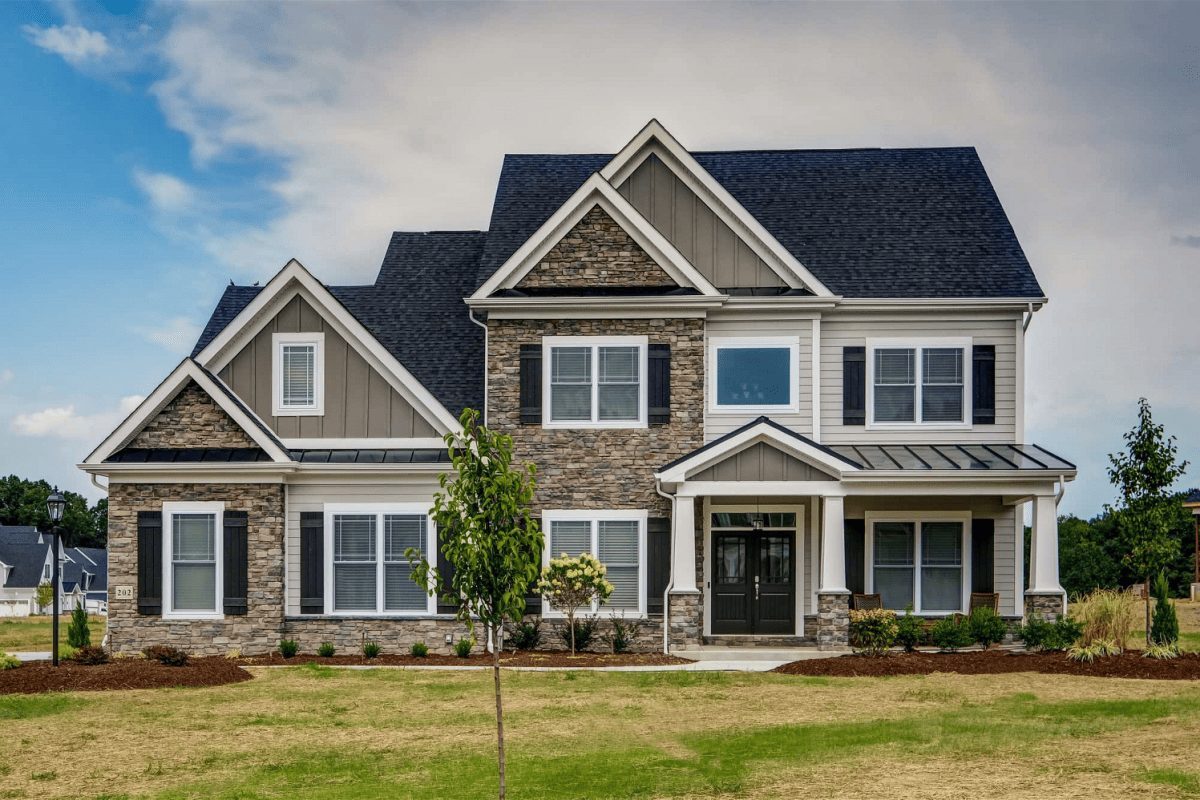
572,583
873,631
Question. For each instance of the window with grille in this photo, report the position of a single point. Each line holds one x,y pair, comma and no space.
918,384
299,374
617,540
595,382
369,559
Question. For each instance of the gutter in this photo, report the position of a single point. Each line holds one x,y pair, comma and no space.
670,573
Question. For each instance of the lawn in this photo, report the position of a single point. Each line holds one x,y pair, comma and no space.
317,732
20,634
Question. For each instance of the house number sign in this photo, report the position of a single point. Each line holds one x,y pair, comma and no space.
123,592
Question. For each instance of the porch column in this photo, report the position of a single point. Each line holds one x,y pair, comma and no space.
833,598
683,545
1045,595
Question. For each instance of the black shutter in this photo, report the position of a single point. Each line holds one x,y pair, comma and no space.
983,384
150,566
236,557
854,386
446,569
658,558
533,600
312,562
856,555
659,384
531,384
983,549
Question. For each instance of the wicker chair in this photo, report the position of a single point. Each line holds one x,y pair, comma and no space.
984,600
866,602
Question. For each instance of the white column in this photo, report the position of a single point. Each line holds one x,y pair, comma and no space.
683,545
1043,558
833,547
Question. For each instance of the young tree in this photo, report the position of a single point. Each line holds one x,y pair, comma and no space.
78,634
1143,475
571,583
44,595
489,538
1165,628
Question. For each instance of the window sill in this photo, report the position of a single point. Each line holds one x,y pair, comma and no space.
738,411
298,412
617,425
919,426
367,617
193,616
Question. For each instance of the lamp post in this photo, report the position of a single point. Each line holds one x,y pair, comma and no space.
55,505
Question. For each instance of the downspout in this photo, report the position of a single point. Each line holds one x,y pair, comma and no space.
670,573
1028,319
96,483
471,314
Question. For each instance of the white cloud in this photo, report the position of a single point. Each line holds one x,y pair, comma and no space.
6,376
74,43
64,422
177,335
167,194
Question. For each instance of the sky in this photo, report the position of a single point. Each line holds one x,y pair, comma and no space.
152,153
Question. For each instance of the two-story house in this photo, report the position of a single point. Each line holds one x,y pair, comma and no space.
753,383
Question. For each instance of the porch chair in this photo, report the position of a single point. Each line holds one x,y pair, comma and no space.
866,602
984,600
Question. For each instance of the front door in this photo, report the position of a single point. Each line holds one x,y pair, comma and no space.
753,582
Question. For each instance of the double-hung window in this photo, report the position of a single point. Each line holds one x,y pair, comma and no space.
367,568
594,382
754,374
616,538
919,563
919,383
192,539
298,369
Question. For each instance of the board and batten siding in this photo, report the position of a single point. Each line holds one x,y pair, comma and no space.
302,497
359,402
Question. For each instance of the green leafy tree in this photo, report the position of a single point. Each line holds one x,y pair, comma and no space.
1086,562
1164,630
572,583
1143,475
78,634
23,502
489,538
44,594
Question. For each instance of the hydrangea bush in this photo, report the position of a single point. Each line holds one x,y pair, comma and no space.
573,583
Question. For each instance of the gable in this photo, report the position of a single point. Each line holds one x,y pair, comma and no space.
192,419
690,224
359,401
761,462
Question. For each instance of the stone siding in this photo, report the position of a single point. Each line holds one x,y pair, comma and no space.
596,252
684,626
833,621
192,419
1046,606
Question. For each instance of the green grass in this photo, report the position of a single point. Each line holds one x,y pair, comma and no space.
1186,783
33,634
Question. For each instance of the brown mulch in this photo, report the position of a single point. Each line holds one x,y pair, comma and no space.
123,673
521,658
1129,664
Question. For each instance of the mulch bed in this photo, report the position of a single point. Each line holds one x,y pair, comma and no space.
1129,664
123,673
522,658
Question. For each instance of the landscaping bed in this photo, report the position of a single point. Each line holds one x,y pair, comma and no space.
1129,664
521,658
125,673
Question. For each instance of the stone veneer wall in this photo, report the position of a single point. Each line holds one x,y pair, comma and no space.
192,419
685,623
833,621
596,252
1046,606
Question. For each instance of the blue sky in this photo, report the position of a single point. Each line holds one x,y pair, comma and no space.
154,152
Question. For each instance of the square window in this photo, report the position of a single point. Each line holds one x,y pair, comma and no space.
754,374
367,559
919,563
918,384
594,383
616,540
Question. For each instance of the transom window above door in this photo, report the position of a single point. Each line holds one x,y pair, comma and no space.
758,374
918,383
594,382
298,374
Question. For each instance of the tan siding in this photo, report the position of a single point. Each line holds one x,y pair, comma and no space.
761,462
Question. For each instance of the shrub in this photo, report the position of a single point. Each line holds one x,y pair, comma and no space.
910,630
371,649
78,634
165,654
571,583
584,630
1161,651
9,662
624,633
873,631
91,655
526,635
951,633
1038,634
419,650
1164,630
233,654
1085,654
986,626
288,648
326,650
1105,615
464,646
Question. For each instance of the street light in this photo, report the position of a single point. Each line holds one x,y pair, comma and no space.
55,505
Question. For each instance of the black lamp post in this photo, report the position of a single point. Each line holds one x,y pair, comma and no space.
55,505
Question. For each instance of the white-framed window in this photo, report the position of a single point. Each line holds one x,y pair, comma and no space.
594,381
298,374
919,382
617,539
367,571
920,559
759,374
192,565
46,572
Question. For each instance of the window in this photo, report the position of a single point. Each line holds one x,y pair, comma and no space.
595,382
193,537
368,570
754,374
46,572
919,563
617,538
299,374
918,383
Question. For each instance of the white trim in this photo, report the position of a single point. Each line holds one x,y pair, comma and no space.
761,432
429,443
918,519
641,516
378,510
163,394
169,509
1019,559
317,342
549,343
1019,378
816,379
729,210
596,191
918,345
718,343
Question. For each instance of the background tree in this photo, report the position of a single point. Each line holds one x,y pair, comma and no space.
572,583
23,502
489,538
44,595
1147,510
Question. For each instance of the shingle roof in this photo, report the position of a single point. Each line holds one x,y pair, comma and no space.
82,559
20,549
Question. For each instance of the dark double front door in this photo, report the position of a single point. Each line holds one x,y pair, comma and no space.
753,582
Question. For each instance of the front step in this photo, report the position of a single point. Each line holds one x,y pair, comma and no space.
749,640
708,652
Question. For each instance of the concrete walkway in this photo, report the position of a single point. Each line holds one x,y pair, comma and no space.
31,656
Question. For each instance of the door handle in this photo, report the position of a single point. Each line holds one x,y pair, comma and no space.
755,587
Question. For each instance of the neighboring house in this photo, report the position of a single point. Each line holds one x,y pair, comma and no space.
1191,502
26,562
753,382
